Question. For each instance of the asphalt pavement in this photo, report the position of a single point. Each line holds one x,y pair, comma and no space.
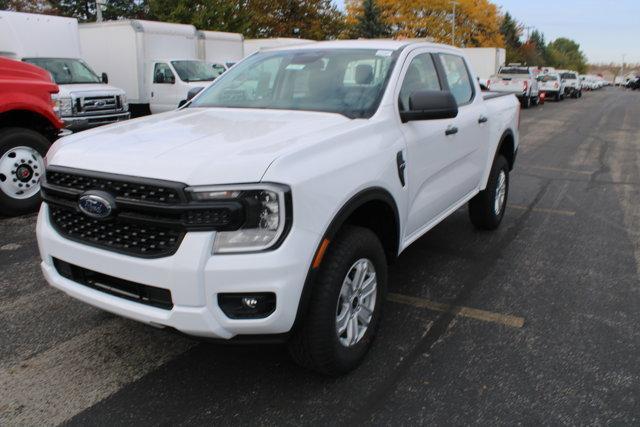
535,323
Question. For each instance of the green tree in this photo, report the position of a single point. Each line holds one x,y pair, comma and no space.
85,10
369,24
511,31
566,54
219,15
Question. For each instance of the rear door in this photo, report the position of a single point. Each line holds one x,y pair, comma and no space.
466,148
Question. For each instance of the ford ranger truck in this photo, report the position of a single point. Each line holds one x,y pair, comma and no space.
520,81
29,123
270,205
552,85
573,85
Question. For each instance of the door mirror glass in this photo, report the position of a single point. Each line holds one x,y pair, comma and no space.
105,78
430,105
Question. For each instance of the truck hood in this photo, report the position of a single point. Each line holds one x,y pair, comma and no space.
88,89
197,146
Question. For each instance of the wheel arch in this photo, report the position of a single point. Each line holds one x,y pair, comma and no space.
507,147
352,213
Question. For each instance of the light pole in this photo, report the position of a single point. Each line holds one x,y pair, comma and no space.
453,23
99,4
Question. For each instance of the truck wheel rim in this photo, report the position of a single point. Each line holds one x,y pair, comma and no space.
501,193
356,302
20,172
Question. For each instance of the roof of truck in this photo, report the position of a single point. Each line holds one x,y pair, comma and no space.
383,44
141,25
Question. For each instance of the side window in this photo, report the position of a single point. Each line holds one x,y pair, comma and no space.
421,75
163,74
457,76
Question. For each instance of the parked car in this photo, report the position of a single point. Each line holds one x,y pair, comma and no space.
270,205
634,83
156,63
51,42
572,84
29,123
552,85
518,80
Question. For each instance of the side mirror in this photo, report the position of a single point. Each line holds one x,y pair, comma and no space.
430,105
193,92
190,95
105,78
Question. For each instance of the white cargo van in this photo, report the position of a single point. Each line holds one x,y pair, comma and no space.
220,49
252,46
52,43
485,61
156,63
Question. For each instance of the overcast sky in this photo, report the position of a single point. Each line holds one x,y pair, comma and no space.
605,29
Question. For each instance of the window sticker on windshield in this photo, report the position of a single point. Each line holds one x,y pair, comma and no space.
295,66
384,53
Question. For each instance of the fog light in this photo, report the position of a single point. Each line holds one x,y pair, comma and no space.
247,306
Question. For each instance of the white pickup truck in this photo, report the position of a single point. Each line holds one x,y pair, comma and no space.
270,205
552,85
520,81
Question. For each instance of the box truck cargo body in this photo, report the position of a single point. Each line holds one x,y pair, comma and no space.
53,43
252,46
220,49
156,63
485,61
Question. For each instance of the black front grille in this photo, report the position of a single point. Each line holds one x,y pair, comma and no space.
144,294
150,217
142,191
134,238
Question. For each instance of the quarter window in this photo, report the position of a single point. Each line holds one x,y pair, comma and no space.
457,76
421,75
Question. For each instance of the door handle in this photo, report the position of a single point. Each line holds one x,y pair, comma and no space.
451,130
483,119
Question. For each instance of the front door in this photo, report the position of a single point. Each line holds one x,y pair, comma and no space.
163,89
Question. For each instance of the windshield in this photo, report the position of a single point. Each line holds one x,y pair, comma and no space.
513,70
194,71
568,76
547,78
344,81
66,70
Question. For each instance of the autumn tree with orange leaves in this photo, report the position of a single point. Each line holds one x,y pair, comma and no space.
477,21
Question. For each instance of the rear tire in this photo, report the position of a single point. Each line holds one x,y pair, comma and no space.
526,102
21,146
557,98
317,342
487,208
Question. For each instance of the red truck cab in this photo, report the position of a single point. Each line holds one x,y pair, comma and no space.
28,126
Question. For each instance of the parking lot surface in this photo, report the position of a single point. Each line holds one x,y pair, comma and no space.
535,323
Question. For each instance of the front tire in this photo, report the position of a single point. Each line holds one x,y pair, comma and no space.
344,312
487,208
22,154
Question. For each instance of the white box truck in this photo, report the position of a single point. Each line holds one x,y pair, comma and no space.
485,61
52,43
156,63
252,46
220,49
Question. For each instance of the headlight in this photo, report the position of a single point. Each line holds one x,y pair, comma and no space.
62,106
123,102
266,215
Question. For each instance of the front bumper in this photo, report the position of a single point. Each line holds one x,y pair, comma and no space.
194,277
77,124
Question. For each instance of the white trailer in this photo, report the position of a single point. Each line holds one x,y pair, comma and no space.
220,49
252,46
53,43
156,63
485,61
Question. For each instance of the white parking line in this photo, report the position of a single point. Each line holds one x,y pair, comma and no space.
55,385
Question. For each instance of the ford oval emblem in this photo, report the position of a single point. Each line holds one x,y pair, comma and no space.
95,205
